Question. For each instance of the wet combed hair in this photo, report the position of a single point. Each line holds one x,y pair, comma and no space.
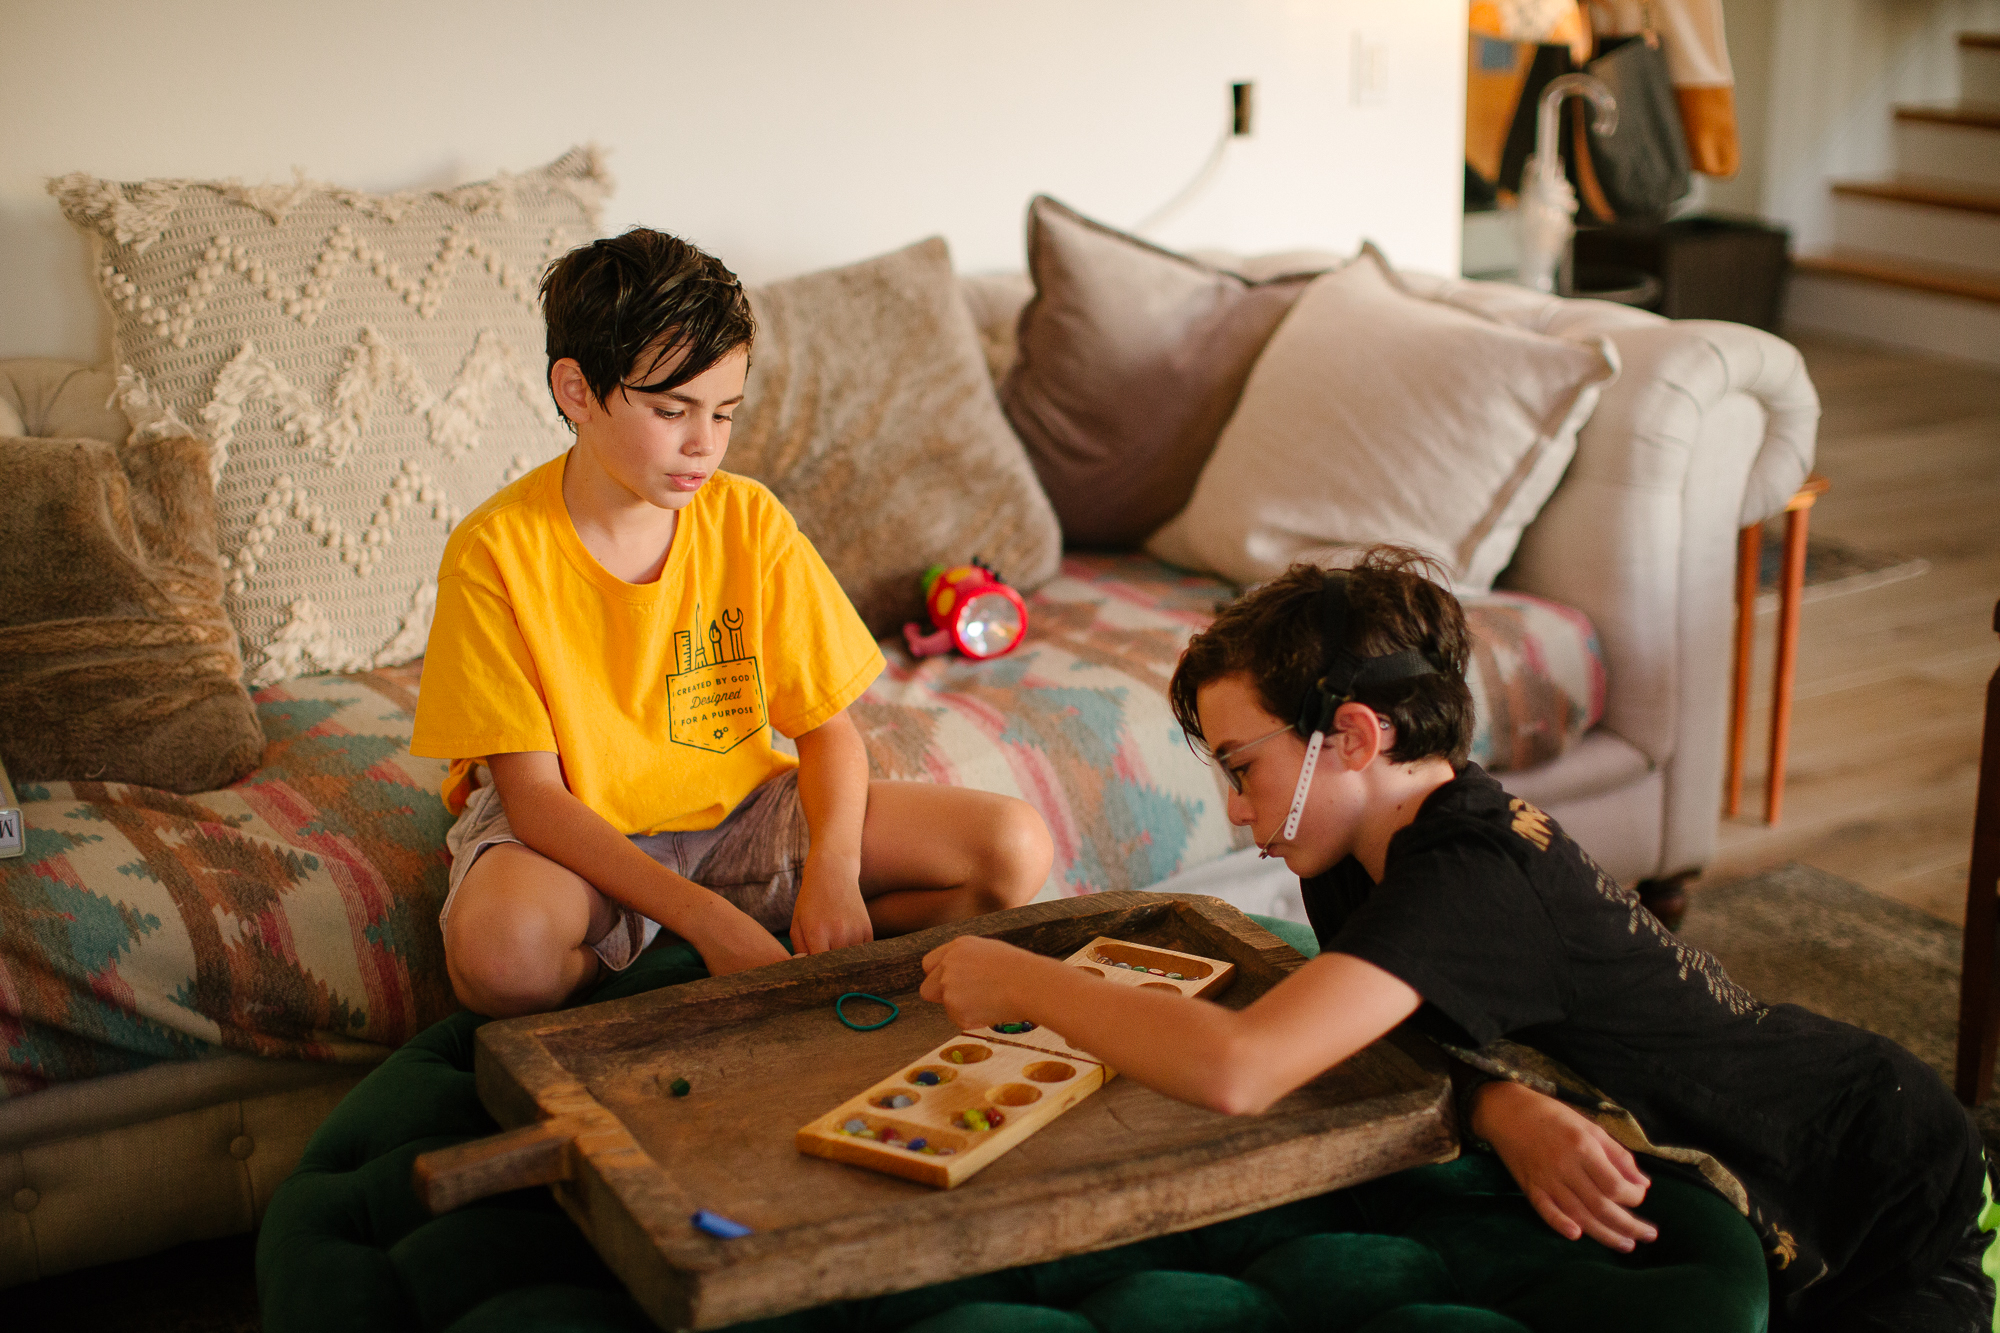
1274,634
643,295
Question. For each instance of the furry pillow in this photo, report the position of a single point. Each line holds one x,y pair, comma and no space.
1376,415
368,367
870,412
1130,359
117,663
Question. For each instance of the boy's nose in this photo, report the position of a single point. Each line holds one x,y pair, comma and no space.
1237,810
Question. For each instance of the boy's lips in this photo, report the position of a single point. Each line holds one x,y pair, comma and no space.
686,481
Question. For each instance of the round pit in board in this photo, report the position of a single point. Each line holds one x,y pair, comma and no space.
930,1076
896,1101
1050,1071
1013,1029
1160,985
966,1053
1094,971
1016,1094
979,1118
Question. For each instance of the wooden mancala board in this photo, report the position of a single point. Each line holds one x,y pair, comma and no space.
587,1094
951,1112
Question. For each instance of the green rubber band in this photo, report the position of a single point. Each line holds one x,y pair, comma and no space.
864,995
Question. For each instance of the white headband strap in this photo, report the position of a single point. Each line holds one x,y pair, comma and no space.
1305,784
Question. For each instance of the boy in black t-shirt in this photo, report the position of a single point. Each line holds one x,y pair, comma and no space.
1336,704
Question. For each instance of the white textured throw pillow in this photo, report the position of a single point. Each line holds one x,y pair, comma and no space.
367,368
1375,415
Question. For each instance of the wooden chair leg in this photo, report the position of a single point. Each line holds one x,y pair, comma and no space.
1749,554
1979,987
1791,581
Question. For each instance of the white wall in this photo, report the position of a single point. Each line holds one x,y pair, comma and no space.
786,135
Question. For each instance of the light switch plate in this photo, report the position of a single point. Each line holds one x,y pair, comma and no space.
1369,78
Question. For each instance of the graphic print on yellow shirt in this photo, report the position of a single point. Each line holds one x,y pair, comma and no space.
714,702
659,698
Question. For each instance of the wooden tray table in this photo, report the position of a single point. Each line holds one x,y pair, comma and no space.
763,1054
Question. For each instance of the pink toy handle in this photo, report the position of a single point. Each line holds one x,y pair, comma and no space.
935,644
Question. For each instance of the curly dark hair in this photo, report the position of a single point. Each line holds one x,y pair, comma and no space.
643,295
1276,635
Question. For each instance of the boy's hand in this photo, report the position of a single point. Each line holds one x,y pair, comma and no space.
1579,1178
829,912
728,940
972,976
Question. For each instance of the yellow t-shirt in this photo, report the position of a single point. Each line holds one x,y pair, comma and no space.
659,698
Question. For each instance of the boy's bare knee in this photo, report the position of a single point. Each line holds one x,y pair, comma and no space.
505,979
1017,854
509,962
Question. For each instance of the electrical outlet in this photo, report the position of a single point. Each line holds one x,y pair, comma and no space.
1369,80
1240,107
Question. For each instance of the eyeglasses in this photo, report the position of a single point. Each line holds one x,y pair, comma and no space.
1224,758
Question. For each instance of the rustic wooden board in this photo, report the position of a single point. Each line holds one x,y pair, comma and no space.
764,1054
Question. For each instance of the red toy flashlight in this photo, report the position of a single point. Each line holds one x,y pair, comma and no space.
970,610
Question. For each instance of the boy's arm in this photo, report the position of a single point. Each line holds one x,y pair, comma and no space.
1579,1178
552,821
1235,1061
833,794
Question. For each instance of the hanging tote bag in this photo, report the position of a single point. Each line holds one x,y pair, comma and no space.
1639,171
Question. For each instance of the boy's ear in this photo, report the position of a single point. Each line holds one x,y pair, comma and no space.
1357,734
571,390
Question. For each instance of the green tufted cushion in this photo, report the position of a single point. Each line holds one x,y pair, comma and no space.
1441,1249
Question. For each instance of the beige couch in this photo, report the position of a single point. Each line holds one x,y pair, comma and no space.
1709,427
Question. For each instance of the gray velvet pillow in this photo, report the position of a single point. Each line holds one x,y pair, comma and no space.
117,662
870,412
1131,359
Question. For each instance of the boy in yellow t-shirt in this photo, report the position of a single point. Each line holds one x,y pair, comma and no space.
618,634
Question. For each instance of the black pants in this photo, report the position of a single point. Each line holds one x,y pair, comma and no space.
1958,1298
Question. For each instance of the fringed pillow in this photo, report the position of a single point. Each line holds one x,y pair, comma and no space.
368,368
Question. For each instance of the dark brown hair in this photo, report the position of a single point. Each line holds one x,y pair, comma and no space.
643,294
1277,636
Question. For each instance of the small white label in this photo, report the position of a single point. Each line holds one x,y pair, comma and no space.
13,841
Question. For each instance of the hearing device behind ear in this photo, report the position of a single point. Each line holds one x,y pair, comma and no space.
1346,672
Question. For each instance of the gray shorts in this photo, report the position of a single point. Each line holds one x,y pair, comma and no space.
753,858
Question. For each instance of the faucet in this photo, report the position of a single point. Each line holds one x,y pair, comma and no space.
1547,202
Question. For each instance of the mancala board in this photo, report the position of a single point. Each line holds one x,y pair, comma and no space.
957,1108
585,1094
952,1111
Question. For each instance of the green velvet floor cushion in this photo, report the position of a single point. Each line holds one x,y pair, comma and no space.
1442,1249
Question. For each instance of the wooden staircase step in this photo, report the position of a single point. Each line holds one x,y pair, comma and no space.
1903,273
1925,190
1971,115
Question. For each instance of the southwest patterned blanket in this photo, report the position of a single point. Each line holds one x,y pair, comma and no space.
294,914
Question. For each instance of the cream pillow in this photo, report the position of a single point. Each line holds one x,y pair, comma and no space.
367,368
1375,415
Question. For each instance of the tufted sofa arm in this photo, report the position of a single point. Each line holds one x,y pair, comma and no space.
1709,427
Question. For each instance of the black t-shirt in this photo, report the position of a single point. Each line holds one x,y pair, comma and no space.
1859,1162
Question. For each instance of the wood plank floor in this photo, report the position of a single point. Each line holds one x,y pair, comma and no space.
1891,681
